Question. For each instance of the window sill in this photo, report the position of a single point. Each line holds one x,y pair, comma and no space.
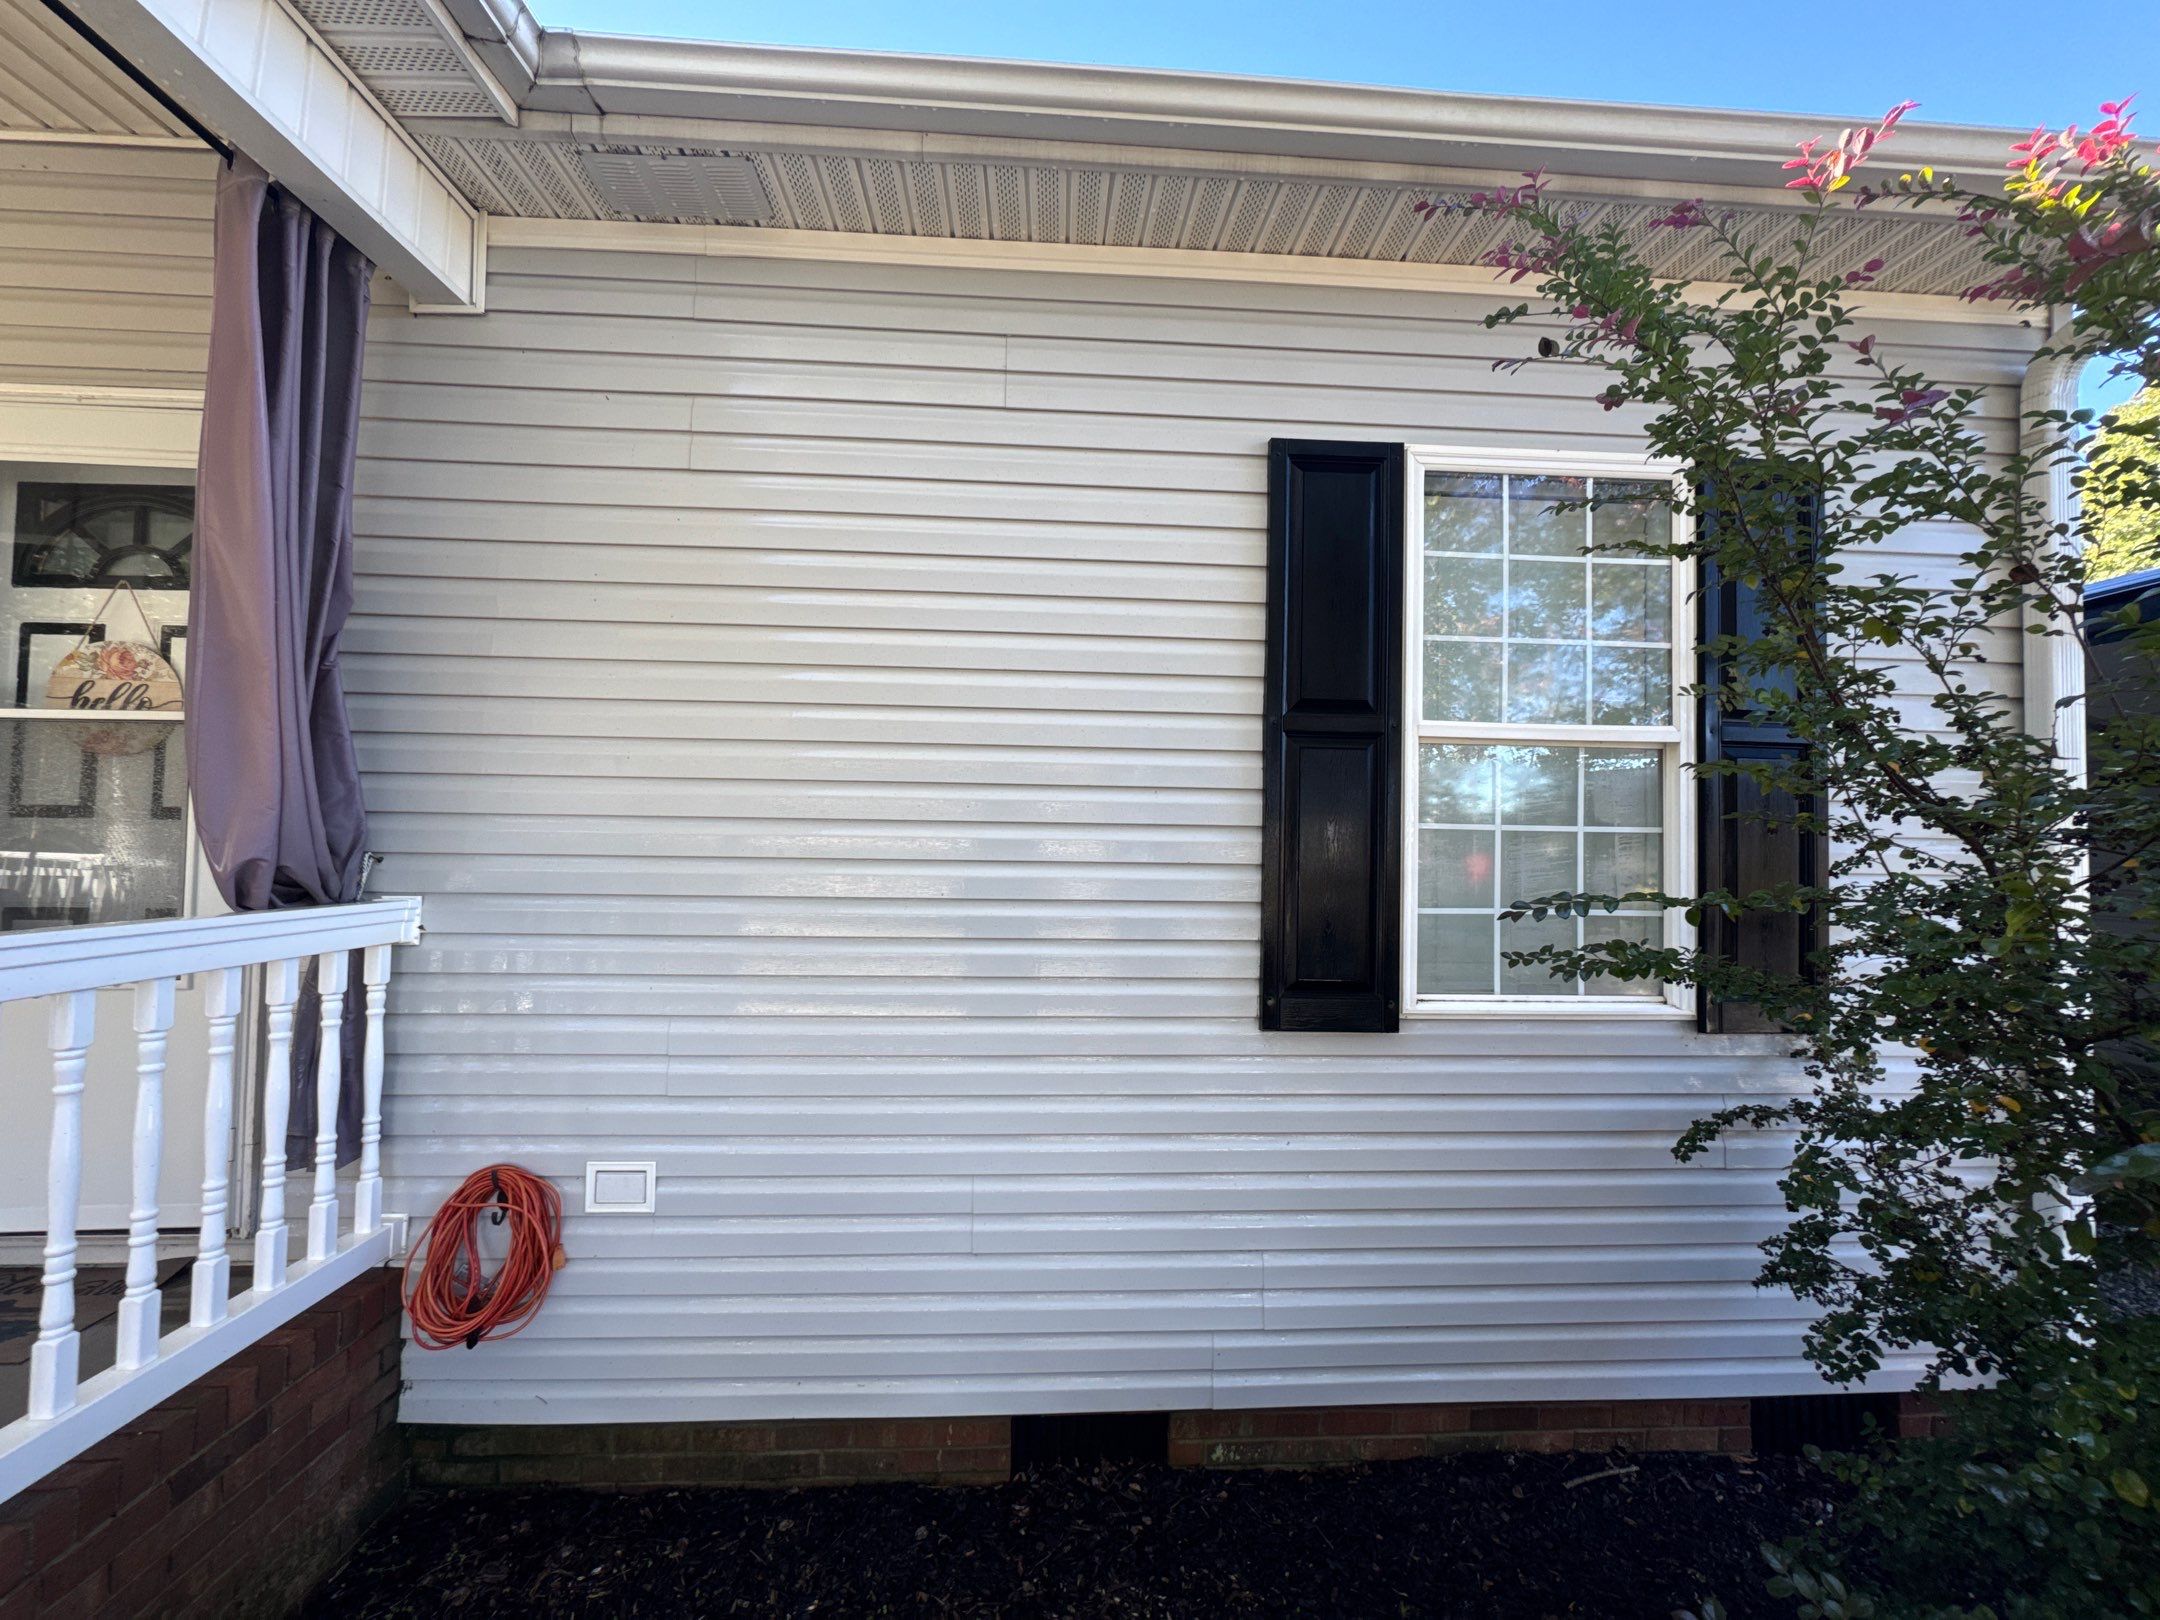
1519,1007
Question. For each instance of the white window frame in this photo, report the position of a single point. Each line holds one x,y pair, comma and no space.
1676,742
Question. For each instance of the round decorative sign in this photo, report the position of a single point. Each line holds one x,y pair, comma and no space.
116,677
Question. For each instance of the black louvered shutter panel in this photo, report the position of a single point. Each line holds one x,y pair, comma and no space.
1330,931
1748,840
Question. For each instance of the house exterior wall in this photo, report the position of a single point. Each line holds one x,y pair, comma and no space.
820,706
104,265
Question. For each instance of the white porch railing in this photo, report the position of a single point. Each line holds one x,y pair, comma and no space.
68,1414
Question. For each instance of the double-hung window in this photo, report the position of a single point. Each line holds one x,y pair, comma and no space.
1545,721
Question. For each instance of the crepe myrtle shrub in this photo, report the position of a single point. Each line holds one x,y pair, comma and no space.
1976,1138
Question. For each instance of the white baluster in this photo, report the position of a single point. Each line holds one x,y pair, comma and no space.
367,1193
55,1357
141,1305
329,1070
281,988
212,1286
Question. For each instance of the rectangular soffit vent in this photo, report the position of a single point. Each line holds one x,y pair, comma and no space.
677,184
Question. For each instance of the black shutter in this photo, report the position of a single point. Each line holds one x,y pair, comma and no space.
1330,905
1747,837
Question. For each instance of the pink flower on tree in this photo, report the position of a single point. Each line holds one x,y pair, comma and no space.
1825,172
2091,147
1523,261
1911,402
1684,217
2021,285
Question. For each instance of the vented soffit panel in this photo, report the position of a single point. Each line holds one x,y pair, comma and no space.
676,184
413,56
533,176
54,83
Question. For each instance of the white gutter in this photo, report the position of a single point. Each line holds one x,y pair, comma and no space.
504,36
937,95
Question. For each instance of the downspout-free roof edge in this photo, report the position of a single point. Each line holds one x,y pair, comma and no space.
579,72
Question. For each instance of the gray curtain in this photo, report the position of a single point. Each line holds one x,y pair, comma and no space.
271,767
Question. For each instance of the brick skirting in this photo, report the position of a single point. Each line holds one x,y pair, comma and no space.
1303,1437
976,1450
841,1451
235,1496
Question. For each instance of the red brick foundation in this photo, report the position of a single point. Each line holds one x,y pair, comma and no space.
941,1451
975,1451
1317,1436
235,1496
1922,1417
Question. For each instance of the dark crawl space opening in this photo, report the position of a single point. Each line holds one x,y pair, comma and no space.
1786,1423
1090,1438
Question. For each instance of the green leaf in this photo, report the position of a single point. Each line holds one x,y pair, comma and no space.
2137,1164
2131,1487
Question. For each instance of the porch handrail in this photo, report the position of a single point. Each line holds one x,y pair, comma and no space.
67,967
55,961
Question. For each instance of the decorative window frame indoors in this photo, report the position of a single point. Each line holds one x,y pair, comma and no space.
1677,741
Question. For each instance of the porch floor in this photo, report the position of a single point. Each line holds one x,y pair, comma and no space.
98,1289
1486,1534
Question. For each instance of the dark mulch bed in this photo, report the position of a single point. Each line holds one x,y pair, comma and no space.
1479,1535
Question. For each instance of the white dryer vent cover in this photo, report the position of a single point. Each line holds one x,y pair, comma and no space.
677,184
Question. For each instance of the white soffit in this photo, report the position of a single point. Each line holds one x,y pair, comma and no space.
55,85
536,176
259,75
412,55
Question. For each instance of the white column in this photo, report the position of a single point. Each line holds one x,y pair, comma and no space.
329,1070
367,1193
212,1285
141,1304
55,1356
281,988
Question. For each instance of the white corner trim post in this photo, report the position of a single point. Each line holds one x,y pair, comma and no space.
2054,664
258,74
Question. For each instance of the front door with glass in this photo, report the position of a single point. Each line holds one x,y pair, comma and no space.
94,828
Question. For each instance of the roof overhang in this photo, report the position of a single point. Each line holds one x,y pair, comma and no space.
499,117
614,75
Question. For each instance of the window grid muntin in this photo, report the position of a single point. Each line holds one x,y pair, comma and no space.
1588,560
1500,828
1669,737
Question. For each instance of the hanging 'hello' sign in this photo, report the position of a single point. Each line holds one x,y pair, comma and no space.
124,677
116,677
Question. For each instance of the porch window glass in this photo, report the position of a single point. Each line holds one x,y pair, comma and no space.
1545,702
93,827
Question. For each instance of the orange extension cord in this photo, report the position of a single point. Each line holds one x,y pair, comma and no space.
448,1293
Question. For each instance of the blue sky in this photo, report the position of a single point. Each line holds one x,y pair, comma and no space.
1964,61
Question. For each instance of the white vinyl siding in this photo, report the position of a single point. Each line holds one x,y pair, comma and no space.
104,265
820,705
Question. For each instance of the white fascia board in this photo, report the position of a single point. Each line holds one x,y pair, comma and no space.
257,74
609,74
821,140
